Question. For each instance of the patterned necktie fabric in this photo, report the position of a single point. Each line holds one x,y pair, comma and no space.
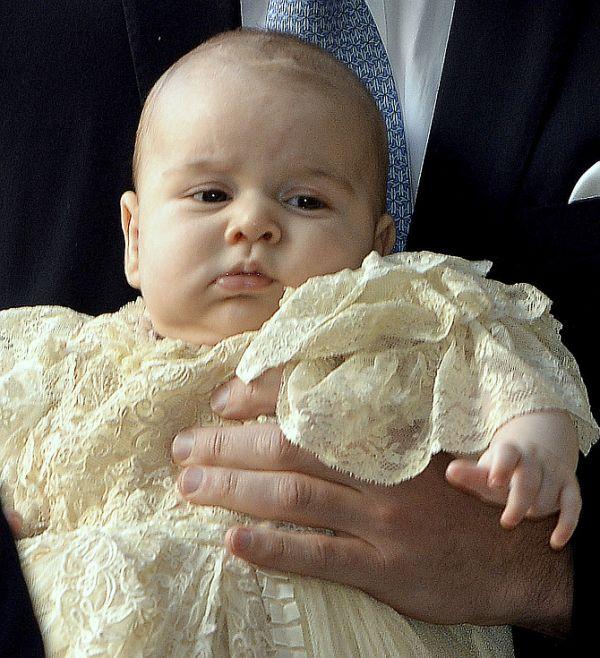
347,30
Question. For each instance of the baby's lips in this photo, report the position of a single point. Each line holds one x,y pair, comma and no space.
244,281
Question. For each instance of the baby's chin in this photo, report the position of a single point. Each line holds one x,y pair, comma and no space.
209,336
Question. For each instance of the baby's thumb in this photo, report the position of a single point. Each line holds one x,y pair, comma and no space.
239,401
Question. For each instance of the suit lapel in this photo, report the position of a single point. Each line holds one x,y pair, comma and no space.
161,31
501,67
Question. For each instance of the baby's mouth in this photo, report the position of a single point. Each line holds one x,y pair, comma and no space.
243,281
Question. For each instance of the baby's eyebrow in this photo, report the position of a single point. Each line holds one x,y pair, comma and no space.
199,164
341,181
194,165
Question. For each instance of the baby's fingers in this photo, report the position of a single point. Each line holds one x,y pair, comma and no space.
547,502
504,460
524,487
570,508
466,475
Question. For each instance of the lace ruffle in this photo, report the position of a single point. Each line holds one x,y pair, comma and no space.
413,354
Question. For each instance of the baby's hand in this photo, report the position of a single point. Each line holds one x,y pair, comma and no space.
530,468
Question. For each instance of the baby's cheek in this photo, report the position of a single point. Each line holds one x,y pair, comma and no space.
163,280
166,254
327,257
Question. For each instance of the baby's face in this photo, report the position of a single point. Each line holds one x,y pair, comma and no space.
248,187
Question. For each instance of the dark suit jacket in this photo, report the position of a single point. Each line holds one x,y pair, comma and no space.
73,77
517,122
515,126
19,632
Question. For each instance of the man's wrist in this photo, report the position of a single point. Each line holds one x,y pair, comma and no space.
539,586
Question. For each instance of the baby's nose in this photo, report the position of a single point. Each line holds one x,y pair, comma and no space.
253,225
251,234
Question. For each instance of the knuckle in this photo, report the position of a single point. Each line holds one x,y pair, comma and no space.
285,453
528,490
326,557
251,391
278,548
553,469
329,558
295,493
226,485
383,559
386,516
505,445
218,444
516,453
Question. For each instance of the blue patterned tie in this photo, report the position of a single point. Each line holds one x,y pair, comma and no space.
346,29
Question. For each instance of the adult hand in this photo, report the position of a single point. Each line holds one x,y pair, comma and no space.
14,520
426,549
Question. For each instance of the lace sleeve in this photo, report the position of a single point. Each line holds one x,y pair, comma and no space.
34,370
410,355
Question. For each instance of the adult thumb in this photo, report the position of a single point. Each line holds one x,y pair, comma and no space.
238,401
15,522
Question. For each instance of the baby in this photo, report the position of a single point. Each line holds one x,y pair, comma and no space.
257,234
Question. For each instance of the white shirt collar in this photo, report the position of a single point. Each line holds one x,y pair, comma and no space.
415,35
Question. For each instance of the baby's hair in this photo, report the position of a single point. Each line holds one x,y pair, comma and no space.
284,55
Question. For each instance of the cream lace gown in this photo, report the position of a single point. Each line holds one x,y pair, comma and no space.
387,365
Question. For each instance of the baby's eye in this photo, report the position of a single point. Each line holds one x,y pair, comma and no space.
305,202
211,196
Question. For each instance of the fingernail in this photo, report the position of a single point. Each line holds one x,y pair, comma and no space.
191,480
220,398
182,446
242,538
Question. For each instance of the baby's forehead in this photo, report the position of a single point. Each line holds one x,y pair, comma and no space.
281,75
271,87
206,111
299,73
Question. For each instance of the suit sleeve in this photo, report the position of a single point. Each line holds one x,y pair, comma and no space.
19,630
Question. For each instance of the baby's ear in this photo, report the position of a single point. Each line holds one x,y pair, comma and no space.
130,226
385,235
